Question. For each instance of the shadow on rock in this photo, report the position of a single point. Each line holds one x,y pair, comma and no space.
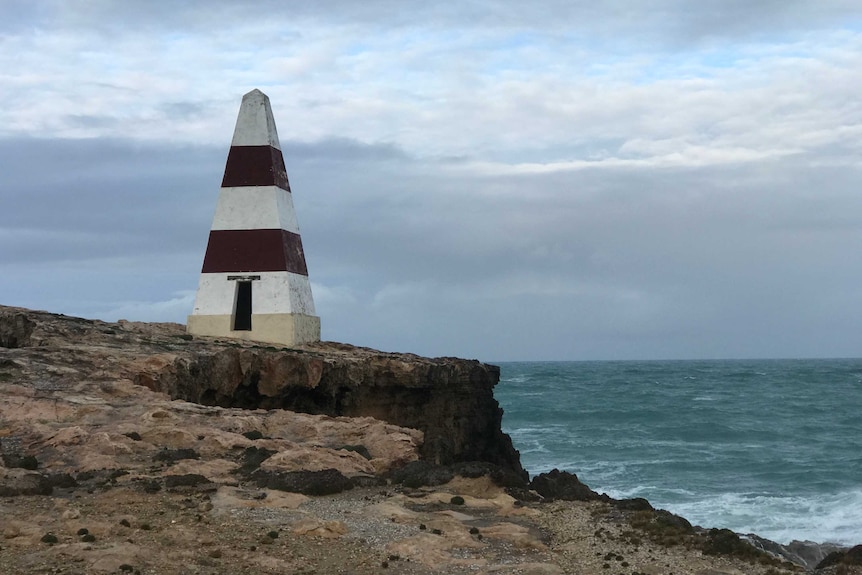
324,482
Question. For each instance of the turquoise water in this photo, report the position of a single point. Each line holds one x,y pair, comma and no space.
772,447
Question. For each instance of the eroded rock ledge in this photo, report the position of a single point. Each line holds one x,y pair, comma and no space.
449,399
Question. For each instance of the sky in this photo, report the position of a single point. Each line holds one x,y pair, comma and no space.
547,180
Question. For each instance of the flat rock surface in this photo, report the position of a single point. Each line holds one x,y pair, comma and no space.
230,529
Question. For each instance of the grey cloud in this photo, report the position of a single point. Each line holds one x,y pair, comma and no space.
419,241
90,121
86,199
707,262
100,198
185,110
702,263
342,149
22,14
668,22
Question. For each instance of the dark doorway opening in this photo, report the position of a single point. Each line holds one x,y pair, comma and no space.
242,313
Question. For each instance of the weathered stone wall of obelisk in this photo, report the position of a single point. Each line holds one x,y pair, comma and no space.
255,238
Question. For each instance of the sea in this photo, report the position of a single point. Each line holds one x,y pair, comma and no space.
771,447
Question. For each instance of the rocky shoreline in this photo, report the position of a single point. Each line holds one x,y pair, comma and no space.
135,448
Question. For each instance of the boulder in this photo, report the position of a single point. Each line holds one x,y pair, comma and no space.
563,485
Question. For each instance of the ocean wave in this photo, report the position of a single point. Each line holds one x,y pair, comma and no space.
766,446
649,493
825,518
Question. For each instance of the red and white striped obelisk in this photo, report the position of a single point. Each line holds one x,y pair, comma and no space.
254,282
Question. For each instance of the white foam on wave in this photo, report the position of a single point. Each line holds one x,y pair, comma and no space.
533,447
830,518
649,493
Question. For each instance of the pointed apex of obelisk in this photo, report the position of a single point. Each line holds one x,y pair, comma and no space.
255,125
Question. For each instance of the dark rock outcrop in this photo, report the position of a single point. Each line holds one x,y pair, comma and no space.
449,399
421,474
634,504
726,542
852,556
15,328
563,485
323,482
424,474
24,484
808,554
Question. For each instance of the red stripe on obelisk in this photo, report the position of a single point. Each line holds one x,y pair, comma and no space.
255,166
254,251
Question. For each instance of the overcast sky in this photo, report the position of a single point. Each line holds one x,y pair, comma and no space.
556,179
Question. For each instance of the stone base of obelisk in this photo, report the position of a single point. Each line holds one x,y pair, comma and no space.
281,328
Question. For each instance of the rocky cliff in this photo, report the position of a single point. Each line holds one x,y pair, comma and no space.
135,448
449,400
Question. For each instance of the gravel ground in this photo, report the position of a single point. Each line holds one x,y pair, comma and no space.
235,530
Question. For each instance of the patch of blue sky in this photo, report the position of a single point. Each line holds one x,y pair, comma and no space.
521,52
854,25
714,62
593,55
517,40
415,39
357,48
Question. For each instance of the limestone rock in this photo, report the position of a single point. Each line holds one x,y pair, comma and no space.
449,400
70,408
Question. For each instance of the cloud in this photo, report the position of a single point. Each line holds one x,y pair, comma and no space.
102,198
665,261
494,179
672,20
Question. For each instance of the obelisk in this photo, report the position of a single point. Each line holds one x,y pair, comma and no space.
254,282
